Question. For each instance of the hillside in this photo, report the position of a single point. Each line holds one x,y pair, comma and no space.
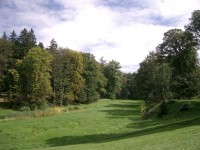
106,124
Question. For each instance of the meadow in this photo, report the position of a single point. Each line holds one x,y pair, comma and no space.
106,124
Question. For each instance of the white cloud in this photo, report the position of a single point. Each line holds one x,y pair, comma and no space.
119,32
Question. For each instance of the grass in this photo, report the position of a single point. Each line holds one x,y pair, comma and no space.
107,124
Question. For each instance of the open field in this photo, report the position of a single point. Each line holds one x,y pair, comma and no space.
107,124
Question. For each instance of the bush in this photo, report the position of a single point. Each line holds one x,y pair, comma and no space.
143,110
43,106
49,112
25,108
58,109
33,107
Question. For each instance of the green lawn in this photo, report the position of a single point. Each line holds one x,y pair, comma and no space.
107,124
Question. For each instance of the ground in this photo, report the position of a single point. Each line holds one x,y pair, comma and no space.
106,124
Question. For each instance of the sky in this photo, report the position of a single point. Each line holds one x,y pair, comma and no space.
120,30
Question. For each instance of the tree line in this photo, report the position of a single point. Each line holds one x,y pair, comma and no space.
31,74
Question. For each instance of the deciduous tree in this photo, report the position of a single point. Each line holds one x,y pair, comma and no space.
179,49
34,71
114,78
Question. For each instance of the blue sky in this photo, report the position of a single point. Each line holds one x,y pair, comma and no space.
123,30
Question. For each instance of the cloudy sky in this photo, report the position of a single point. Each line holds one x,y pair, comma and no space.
123,30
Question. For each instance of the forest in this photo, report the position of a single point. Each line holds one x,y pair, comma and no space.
34,76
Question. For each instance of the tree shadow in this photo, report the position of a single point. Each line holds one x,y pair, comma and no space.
124,109
101,138
128,109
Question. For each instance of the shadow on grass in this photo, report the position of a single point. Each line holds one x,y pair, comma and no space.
101,138
128,109
123,109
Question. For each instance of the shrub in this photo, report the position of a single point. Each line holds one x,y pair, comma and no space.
33,107
143,110
25,108
58,109
43,106
48,112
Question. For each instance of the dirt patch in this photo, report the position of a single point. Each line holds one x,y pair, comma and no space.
2,98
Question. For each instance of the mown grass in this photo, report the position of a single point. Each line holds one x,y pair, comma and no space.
107,124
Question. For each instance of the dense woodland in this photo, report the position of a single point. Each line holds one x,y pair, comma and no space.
32,75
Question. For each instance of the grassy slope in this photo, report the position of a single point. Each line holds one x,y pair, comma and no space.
174,137
104,125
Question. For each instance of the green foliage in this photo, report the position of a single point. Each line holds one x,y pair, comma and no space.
12,80
41,45
179,49
75,81
153,80
5,61
144,110
114,78
24,43
53,46
129,87
93,79
34,71
58,75
13,37
4,36
194,25
25,108
102,79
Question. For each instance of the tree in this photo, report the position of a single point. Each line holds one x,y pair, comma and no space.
53,46
103,80
34,76
74,69
124,92
4,36
13,37
179,49
66,78
5,62
40,44
93,79
59,76
114,78
129,87
25,41
16,48
194,25
153,80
